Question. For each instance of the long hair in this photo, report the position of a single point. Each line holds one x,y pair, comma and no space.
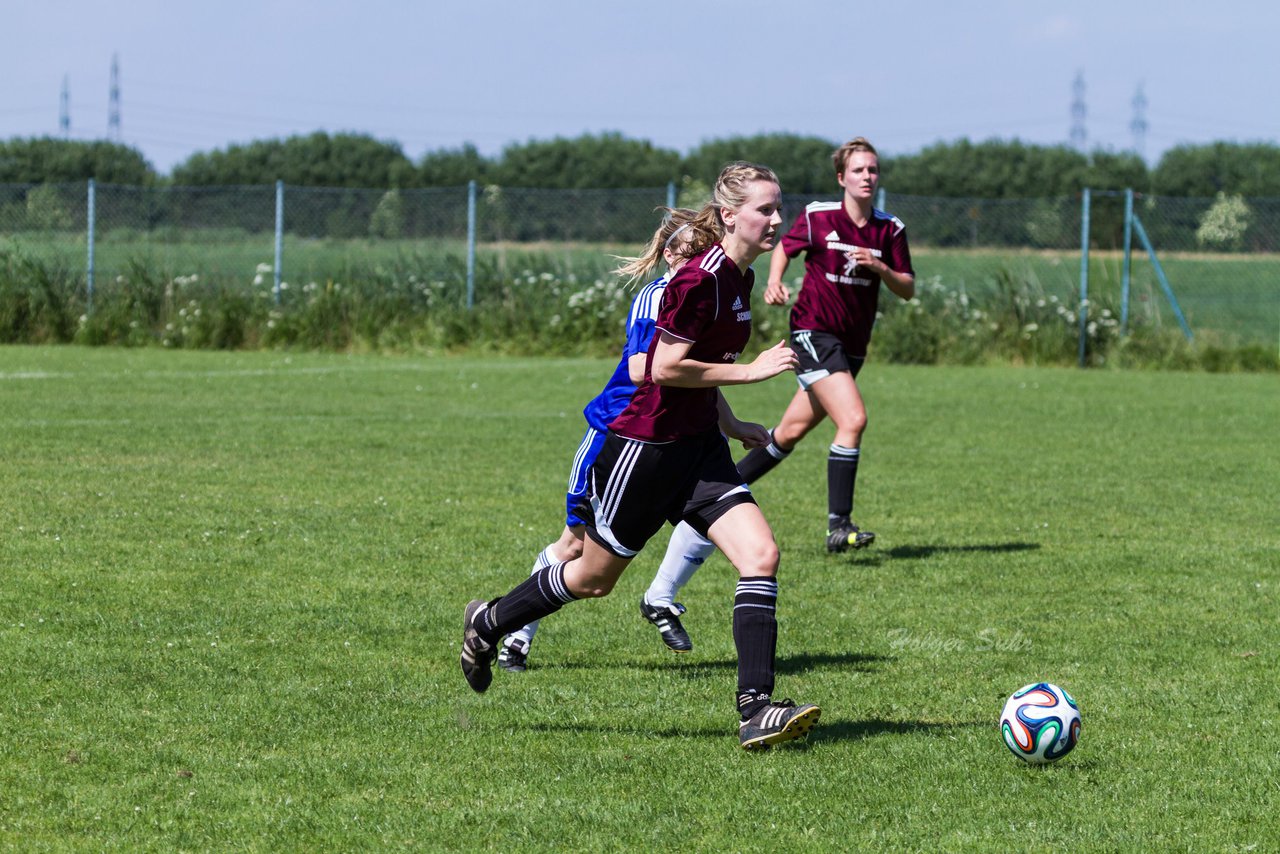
840,157
676,221
730,193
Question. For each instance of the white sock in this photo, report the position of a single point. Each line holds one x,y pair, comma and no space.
545,558
685,553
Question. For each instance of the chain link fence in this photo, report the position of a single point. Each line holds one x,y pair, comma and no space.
1220,256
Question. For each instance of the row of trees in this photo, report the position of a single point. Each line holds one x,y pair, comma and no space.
994,169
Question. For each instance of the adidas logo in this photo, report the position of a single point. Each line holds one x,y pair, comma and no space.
832,235
737,304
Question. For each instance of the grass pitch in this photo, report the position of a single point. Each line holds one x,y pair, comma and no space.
233,586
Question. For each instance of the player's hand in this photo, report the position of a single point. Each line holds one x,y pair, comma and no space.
867,260
776,293
773,361
750,434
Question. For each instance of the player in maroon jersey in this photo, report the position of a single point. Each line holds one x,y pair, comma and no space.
850,248
666,459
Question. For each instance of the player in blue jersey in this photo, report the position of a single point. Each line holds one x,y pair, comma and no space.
669,244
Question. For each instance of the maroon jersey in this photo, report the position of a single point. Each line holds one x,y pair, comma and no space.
838,297
708,303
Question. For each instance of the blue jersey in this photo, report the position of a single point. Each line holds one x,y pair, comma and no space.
641,324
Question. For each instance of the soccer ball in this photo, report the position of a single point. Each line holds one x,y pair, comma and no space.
1040,723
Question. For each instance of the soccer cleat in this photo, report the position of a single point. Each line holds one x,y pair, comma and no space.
776,723
514,655
477,653
667,619
844,535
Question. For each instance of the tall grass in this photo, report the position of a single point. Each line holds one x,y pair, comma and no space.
560,300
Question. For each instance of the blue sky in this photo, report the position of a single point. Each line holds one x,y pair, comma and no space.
432,75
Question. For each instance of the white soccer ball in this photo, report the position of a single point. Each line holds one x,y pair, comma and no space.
1040,723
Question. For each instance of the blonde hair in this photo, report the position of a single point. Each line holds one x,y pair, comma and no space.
703,227
840,157
677,220
730,193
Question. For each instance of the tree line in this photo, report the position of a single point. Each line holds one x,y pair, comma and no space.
991,169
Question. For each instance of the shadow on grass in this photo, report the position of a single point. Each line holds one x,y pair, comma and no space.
910,552
828,730
694,667
825,731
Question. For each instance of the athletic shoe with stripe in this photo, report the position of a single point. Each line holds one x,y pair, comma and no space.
844,535
477,653
667,619
514,655
776,723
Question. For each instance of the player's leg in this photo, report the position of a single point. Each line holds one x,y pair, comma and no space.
514,654
546,591
802,414
686,552
639,492
688,549
747,541
838,394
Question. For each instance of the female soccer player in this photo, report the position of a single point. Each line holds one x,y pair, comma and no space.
666,458
669,244
850,249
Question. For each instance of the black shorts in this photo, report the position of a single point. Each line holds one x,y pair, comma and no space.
636,486
821,355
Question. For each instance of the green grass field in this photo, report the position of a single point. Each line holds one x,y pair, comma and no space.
233,585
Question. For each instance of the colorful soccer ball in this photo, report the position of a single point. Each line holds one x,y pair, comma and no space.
1040,722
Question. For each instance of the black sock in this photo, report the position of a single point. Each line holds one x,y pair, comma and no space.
755,634
842,471
760,461
542,593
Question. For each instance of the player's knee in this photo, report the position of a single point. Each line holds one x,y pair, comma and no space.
589,582
571,550
759,561
849,431
787,436
589,588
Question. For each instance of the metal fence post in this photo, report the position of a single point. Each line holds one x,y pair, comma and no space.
671,194
880,198
1084,271
471,244
90,238
1128,254
279,238
1161,277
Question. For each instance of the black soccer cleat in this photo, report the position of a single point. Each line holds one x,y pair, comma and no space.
845,535
667,619
776,723
513,657
477,653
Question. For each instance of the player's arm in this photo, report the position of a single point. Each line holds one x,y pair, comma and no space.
776,292
641,327
635,367
672,365
751,435
902,284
